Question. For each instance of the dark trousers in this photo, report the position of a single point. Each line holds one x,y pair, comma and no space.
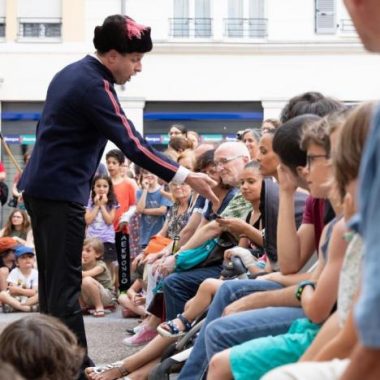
124,260
58,230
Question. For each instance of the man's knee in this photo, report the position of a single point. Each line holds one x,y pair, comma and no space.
171,282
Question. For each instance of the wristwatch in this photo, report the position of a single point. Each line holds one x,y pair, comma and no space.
301,286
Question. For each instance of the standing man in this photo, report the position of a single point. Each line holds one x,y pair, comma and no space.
365,359
81,113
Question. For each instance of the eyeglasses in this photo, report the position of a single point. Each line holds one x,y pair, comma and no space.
224,161
175,184
310,158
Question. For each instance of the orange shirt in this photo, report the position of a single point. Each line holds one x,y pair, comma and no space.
126,196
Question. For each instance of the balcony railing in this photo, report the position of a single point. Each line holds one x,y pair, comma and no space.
44,28
347,26
246,27
2,27
190,27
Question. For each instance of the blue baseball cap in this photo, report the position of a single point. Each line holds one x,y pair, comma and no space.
23,250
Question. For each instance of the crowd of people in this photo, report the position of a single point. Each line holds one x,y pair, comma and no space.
285,194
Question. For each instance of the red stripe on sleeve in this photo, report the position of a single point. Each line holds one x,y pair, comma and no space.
128,128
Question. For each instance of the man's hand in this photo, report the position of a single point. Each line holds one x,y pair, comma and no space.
167,265
202,184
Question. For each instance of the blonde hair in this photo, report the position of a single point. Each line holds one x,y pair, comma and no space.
96,244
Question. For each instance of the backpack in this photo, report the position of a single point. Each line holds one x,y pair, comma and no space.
4,191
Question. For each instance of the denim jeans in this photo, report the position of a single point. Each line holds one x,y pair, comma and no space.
219,333
180,287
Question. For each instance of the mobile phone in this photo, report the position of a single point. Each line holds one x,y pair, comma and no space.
218,216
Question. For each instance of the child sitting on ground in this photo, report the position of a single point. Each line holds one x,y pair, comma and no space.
41,347
133,302
7,259
21,294
97,290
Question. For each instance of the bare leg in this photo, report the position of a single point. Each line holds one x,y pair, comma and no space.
4,272
6,298
147,354
90,287
219,368
199,303
126,302
143,372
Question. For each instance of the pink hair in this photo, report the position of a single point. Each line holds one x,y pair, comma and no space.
134,29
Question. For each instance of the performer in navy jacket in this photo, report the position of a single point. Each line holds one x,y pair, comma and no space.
81,113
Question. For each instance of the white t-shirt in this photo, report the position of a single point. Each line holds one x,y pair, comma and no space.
17,278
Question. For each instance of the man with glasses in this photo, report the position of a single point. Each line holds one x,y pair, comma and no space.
230,159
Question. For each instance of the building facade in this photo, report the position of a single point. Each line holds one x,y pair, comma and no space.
217,66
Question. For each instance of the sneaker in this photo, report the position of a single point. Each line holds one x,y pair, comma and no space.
134,330
143,336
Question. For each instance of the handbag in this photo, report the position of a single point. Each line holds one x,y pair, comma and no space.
156,244
208,254
225,241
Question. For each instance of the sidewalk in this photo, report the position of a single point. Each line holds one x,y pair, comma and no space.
104,335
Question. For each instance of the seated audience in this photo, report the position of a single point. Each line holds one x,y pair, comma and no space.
7,259
97,287
41,347
22,290
337,339
233,297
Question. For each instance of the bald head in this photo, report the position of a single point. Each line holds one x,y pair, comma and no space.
233,148
230,159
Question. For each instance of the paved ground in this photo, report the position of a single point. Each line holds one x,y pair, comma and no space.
104,335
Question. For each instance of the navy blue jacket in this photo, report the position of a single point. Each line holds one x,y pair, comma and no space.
81,113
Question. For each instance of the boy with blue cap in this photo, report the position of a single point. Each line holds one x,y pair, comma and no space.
21,294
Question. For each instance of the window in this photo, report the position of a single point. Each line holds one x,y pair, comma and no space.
191,19
49,28
2,18
2,27
246,19
39,19
325,16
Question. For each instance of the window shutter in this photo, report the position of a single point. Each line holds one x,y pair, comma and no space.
181,26
325,16
257,24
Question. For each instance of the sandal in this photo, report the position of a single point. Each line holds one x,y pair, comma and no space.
116,365
98,313
173,331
